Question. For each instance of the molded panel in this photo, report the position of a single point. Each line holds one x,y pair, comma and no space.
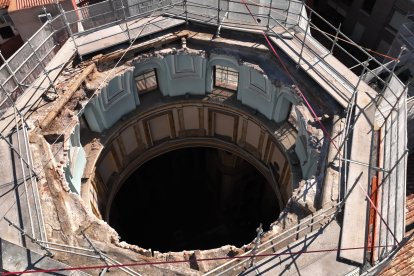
159,128
191,118
114,101
130,140
253,134
107,167
224,125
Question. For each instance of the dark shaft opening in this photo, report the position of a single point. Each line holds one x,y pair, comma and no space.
193,198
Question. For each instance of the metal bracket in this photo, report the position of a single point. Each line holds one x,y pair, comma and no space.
364,164
23,233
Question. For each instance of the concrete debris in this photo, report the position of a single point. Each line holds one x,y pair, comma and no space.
66,97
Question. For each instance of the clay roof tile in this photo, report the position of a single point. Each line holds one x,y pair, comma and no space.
4,4
26,4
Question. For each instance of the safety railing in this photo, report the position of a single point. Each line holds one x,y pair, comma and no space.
277,242
90,253
274,18
129,19
290,15
228,14
22,69
331,38
391,117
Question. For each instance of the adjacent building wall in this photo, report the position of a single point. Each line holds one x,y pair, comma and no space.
27,21
374,29
184,73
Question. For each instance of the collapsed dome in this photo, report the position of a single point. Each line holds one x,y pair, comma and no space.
171,120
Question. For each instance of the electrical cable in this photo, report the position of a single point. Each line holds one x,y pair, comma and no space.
316,118
185,261
296,84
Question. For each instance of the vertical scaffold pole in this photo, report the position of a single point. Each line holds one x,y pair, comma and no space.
63,13
49,19
287,15
348,120
126,22
403,48
43,67
6,63
365,65
218,15
49,22
338,30
304,40
47,15
259,234
186,11
269,14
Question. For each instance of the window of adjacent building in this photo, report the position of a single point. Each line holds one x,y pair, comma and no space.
397,19
335,14
226,77
348,2
44,17
383,47
6,32
358,31
146,81
368,5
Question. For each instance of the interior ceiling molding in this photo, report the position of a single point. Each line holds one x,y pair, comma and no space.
178,125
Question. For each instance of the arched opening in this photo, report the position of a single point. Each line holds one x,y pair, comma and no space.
193,198
225,77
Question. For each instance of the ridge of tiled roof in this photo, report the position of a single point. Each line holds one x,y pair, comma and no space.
4,4
26,4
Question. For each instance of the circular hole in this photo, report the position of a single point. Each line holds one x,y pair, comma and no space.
193,198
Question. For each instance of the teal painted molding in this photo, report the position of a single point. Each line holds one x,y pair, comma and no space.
76,161
256,91
308,156
186,74
117,98
190,72
283,106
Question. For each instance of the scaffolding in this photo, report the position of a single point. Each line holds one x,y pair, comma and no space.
28,70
